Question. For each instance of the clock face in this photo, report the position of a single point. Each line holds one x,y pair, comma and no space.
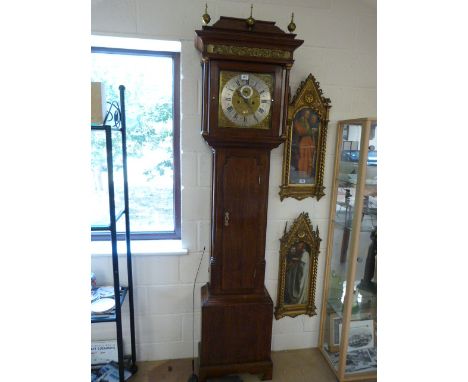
245,100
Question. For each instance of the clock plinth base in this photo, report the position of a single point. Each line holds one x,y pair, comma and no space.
265,369
236,335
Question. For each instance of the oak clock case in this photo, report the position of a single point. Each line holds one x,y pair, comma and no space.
245,74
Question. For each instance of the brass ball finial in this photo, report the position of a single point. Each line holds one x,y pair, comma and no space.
292,26
250,21
206,17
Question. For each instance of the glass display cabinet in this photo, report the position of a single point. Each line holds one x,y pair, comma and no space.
348,335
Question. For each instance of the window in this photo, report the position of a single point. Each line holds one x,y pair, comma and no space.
151,80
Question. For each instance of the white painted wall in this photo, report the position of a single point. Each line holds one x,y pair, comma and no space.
340,51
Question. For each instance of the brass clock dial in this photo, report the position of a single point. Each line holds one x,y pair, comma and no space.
245,100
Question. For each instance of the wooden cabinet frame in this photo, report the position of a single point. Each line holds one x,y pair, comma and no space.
366,124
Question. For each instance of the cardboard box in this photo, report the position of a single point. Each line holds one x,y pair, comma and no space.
98,103
103,351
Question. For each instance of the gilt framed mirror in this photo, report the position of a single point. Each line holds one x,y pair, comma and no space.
299,251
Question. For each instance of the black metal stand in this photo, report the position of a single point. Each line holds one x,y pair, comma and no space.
369,270
116,114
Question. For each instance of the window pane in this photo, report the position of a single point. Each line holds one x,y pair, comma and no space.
148,81
100,199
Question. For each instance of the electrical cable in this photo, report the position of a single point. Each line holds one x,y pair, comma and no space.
193,377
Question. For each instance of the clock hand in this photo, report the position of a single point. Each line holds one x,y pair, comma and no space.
245,101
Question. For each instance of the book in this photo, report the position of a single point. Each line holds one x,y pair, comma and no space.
108,373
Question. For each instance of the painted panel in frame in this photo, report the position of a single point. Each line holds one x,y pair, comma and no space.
305,146
300,247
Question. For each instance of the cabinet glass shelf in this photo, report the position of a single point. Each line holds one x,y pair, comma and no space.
96,127
364,228
107,226
109,317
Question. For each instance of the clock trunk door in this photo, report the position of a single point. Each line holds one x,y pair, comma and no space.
244,191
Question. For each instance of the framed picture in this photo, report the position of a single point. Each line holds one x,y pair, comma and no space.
299,250
361,335
304,149
360,361
334,330
357,361
334,333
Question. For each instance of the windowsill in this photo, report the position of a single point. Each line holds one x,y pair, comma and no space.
140,248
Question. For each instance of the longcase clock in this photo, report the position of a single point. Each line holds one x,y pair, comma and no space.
245,93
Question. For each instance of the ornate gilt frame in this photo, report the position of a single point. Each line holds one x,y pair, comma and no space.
300,231
308,95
